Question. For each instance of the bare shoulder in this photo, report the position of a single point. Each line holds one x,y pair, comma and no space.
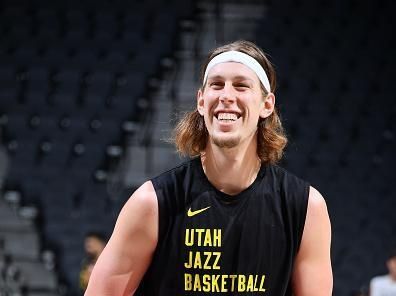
140,213
316,197
316,202
317,221
143,198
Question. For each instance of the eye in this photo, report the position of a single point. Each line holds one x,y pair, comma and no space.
241,85
216,84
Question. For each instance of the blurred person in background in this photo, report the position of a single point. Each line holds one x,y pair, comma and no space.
385,285
94,243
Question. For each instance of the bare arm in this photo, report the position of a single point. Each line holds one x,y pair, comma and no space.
128,253
312,274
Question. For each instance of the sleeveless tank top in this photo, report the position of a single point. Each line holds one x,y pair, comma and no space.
213,243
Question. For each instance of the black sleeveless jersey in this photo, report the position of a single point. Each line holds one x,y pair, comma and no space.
213,243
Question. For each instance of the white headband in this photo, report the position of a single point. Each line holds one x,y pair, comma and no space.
243,58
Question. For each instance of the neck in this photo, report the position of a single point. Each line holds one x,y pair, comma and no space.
231,170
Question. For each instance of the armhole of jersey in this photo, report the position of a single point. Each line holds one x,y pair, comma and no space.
161,208
302,208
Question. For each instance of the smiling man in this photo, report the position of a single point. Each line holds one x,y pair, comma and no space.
229,221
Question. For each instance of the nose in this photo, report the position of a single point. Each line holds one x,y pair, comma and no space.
228,94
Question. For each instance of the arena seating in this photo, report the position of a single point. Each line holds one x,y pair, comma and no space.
71,74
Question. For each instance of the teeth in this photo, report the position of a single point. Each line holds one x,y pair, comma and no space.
227,116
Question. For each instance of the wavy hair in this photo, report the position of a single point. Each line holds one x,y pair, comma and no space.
191,136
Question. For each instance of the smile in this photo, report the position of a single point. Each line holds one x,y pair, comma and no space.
227,117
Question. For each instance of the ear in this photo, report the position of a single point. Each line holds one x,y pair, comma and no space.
200,102
267,106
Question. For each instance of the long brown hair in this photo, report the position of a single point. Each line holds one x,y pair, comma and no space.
191,136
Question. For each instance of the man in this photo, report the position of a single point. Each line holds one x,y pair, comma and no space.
228,221
94,243
385,285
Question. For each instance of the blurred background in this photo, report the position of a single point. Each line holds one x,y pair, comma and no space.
90,90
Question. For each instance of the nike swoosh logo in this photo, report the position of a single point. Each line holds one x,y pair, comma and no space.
193,213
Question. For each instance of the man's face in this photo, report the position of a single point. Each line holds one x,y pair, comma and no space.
93,246
232,103
391,264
